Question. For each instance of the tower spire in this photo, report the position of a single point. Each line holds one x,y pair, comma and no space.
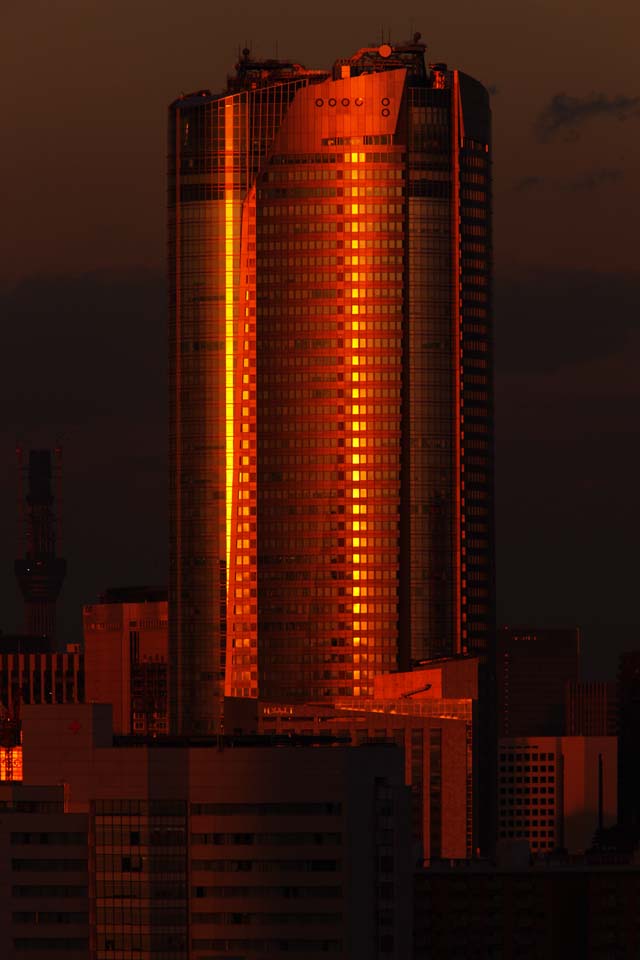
39,570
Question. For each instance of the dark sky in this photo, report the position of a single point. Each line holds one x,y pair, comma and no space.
84,86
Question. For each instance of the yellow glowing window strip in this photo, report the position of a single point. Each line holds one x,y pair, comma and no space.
357,560
228,316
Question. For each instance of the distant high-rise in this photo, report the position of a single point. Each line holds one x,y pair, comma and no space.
39,570
331,429
591,708
533,669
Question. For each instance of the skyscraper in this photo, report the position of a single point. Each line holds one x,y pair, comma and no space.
533,669
331,385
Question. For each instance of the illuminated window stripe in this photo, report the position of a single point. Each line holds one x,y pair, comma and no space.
229,296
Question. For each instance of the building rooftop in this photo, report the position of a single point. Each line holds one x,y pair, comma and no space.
141,594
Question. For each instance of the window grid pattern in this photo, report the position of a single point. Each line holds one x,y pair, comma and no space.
140,879
216,146
329,343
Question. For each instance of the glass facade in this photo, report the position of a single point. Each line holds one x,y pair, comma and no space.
216,147
330,362
140,879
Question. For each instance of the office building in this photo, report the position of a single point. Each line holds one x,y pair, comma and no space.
591,708
32,671
44,875
533,668
126,657
259,846
556,792
331,428
436,734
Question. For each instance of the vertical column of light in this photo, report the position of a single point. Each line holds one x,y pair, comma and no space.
357,426
460,617
240,618
229,340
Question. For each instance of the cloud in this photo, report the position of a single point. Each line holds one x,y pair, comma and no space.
594,178
552,319
568,461
564,115
590,180
528,183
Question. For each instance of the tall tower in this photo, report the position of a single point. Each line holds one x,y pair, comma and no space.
39,570
331,378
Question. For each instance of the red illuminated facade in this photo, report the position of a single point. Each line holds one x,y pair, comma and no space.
125,656
331,386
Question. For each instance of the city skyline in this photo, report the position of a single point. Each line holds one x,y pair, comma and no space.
287,735
551,482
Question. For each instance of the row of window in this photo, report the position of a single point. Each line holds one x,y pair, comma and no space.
304,308
266,919
49,891
331,173
266,866
329,276
266,229
331,261
334,393
52,838
313,158
263,892
71,944
355,475
49,917
38,865
299,193
267,839
301,947
275,808
354,342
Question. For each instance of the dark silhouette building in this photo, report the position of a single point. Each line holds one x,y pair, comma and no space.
39,569
44,874
533,668
576,907
591,708
331,427
628,741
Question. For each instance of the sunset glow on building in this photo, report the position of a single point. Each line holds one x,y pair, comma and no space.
331,385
